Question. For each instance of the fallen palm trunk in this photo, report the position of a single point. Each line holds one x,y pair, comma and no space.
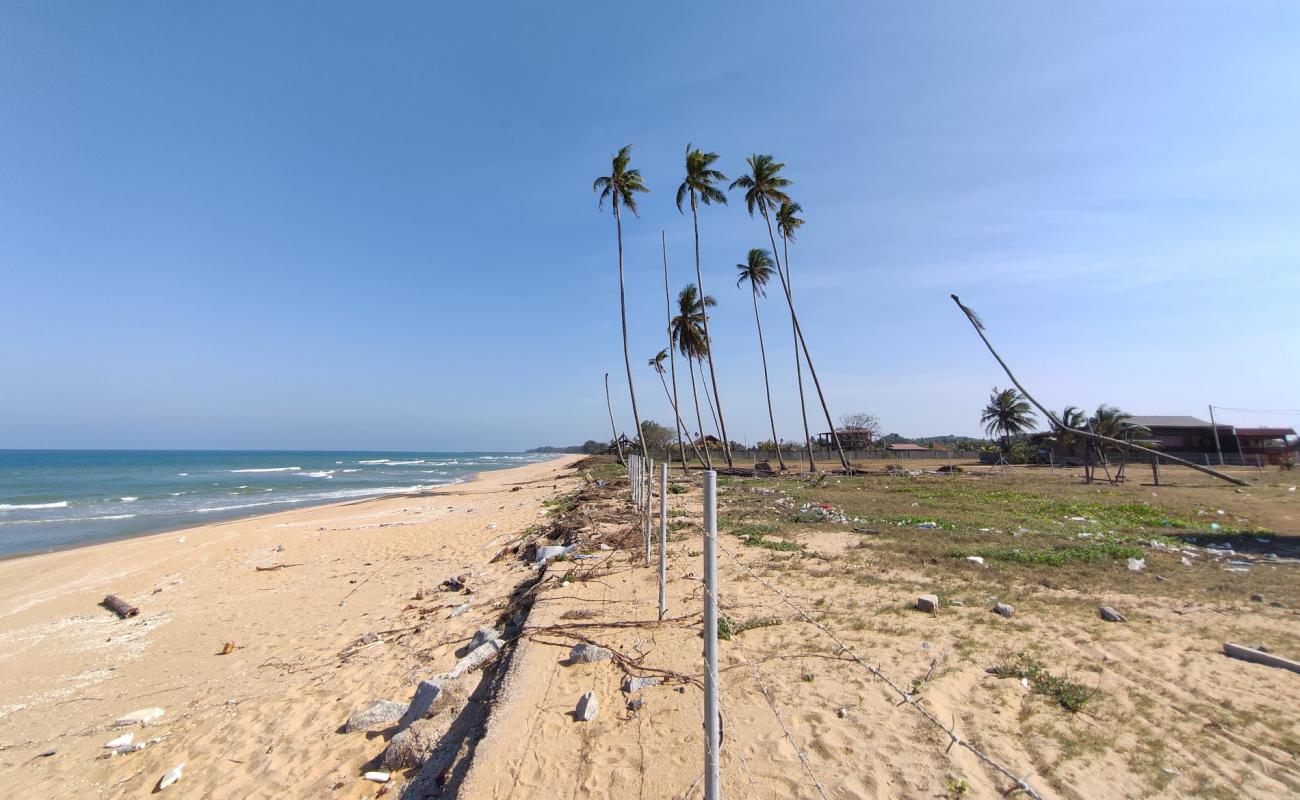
1259,657
1061,426
119,606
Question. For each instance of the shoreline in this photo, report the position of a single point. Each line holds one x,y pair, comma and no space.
325,627
298,506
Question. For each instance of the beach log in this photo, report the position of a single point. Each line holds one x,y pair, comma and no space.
119,606
1259,657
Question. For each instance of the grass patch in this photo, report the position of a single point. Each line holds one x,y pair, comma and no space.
678,488
1057,556
1070,695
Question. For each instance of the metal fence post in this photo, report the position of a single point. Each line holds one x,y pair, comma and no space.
712,772
663,535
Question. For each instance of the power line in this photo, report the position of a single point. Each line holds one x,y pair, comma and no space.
1278,412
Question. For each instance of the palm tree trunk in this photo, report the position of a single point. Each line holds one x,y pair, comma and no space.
612,426
789,299
622,310
680,424
708,460
1055,420
704,311
672,360
798,366
762,351
708,401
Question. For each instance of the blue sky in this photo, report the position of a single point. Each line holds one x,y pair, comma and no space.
328,225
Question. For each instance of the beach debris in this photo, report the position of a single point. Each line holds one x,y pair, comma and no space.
1137,564
866,530
380,712
227,649
47,753
460,583
1110,615
411,746
377,777
636,704
119,606
480,636
272,566
426,694
589,654
124,739
180,540
579,613
1004,609
170,776
976,560
142,716
545,554
632,685
476,658
588,706
458,610
369,638
928,603
1257,655
1257,598
927,526
841,712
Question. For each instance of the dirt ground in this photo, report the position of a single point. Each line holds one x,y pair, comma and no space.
1077,706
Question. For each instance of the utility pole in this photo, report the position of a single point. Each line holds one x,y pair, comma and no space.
1215,428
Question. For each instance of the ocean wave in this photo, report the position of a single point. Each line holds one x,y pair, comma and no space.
65,519
267,469
351,470
316,497
374,461
32,506
325,473
404,463
128,499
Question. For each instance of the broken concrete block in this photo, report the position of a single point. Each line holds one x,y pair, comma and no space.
633,685
1003,609
426,694
475,658
589,654
412,746
380,712
928,603
1110,615
587,707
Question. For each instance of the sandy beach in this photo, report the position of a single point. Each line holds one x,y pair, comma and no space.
261,721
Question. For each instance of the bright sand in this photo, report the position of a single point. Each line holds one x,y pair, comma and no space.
261,721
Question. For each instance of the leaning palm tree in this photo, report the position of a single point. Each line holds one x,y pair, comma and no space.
689,339
672,357
621,186
1007,414
765,190
657,364
757,270
698,187
788,224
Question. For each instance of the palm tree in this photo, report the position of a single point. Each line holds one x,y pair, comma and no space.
1114,423
672,358
788,224
688,336
657,364
765,190
618,443
1007,414
757,270
698,187
1072,417
621,186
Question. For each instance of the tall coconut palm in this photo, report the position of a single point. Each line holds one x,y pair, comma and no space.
657,364
757,271
688,336
788,224
698,188
765,191
1007,414
1072,417
672,357
618,443
621,186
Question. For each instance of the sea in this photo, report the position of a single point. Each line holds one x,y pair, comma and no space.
52,499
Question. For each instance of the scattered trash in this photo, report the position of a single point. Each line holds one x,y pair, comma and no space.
1137,564
927,526
866,530
928,603
588,706
976,560
1002,609
1257,598
141,717
458,610
1111,615
124,739
227,649
170,776
377,777
545,554
842,713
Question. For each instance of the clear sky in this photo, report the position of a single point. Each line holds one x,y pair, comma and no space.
342,225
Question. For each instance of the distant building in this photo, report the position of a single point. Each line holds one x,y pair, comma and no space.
851,438
906,447
1273,445
708,440
1188,437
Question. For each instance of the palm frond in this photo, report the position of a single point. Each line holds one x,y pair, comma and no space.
970,313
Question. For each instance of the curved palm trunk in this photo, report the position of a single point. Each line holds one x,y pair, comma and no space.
704,311
798,366
612,426
1056,421
844,462
672,361
713,412
762,351
677,415
622,310
708,460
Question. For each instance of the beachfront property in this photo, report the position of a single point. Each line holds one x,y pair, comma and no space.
851,437
1191,438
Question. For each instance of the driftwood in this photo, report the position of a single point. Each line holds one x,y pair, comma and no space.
1260,657
1061,426
119,606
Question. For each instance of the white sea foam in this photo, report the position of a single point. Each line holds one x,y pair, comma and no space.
128,499
31,506
267,469
316,497
325,473
182,474
351,470
404,463
375,461
65,519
